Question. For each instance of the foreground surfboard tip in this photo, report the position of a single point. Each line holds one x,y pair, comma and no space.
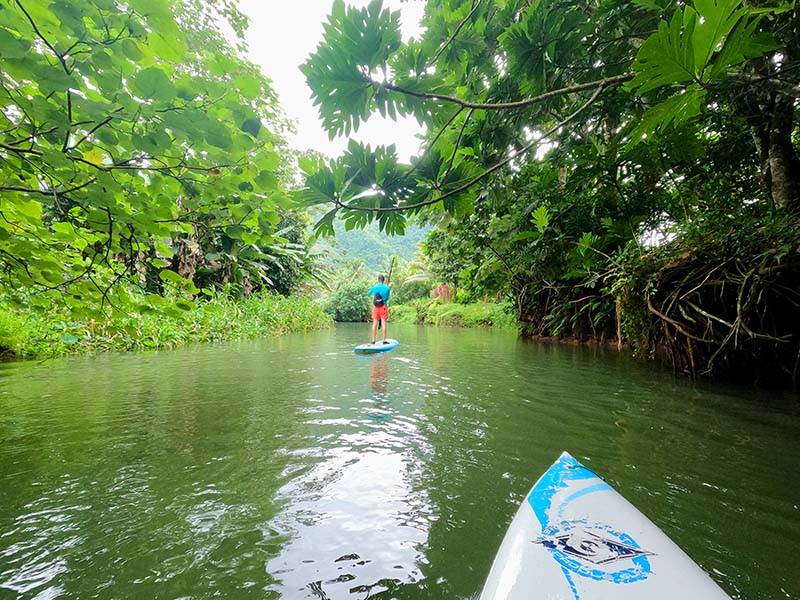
575,537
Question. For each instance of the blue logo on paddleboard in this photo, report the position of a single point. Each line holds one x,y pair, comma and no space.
593,550
585,549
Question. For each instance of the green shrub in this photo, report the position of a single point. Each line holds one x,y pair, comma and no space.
403,313
449,314
12,331
412,290
350,302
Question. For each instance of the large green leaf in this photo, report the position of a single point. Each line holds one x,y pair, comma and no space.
13,47
671,112
153,83
667,57
356,43
715,20
698,44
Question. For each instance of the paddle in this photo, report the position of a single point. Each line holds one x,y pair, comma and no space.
389,279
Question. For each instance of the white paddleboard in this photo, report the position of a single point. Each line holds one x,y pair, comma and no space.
378,346
575,538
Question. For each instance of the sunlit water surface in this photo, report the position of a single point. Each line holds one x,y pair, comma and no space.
292,468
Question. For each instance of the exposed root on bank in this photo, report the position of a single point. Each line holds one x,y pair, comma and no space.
739,319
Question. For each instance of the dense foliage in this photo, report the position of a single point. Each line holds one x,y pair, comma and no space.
140,158
452,314
347,299
26,334
625,171
350,303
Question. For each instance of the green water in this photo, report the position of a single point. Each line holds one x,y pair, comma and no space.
291,468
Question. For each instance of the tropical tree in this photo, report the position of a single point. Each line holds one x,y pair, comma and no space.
608,165
494,80
135,140
412,281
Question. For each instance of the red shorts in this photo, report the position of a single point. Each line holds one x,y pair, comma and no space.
380,312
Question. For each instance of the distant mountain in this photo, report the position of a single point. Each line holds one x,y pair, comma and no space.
372,245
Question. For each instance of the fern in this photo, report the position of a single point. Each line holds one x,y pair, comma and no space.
541,217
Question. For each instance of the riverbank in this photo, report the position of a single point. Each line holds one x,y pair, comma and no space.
24,334
451,314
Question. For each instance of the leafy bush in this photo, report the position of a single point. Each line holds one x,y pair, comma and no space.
180,171
412,290
12,331
403,313
350,302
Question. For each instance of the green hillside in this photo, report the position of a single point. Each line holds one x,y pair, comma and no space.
372,245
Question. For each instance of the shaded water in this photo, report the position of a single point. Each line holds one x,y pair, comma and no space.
291,468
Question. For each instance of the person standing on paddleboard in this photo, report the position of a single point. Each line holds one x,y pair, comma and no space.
380,311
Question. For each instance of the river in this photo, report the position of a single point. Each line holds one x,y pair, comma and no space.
292,468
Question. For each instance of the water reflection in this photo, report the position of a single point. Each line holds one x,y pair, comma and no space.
380,407
358,520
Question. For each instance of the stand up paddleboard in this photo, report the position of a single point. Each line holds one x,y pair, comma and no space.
378,346
574,537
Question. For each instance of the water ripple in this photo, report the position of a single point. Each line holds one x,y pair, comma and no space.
292,468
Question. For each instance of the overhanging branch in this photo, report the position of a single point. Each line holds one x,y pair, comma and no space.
483,175
47,192
41,36
581,87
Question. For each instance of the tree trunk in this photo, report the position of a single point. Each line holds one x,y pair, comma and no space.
784,165
188,257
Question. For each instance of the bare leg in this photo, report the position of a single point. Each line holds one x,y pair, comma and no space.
374,329
383,324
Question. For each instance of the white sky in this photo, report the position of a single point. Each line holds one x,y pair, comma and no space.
282,34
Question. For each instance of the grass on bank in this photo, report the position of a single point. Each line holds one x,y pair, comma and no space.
350,304
451,314
24,334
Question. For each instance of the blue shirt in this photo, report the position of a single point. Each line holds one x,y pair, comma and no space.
382,289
